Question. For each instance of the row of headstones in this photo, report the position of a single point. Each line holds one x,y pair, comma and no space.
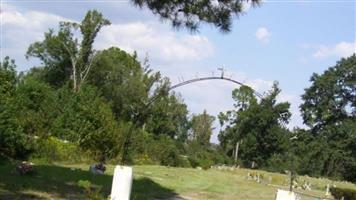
260,178
225,167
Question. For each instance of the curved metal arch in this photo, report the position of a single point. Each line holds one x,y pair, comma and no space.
153,99
213,78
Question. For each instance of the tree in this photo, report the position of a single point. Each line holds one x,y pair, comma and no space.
169,117
13,141
62,54
191,13
329,109
86,119
256,126
202,127
138,94
332,96
36,100
123,82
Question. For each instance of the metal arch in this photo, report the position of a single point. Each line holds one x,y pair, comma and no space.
153,99
213,78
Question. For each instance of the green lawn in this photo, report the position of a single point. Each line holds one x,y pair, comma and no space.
151,182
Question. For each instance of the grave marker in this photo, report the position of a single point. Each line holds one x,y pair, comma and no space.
285,195
121,183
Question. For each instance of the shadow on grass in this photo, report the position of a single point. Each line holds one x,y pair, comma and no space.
51,181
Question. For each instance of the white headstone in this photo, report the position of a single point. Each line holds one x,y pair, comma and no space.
121,183
327,192
285,195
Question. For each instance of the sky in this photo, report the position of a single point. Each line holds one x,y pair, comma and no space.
284,41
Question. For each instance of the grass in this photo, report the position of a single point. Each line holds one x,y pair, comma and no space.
59,181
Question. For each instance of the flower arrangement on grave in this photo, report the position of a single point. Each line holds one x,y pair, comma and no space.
25,168
100,167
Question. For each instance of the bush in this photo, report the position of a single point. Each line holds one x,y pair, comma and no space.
53,149
87,119
165,152
14,143
348,194
151,149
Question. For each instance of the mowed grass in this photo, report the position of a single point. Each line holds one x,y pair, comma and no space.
60,181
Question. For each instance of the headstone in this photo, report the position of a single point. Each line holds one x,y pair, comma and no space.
121,183
253,164
258,180
285,195
327,192
249,177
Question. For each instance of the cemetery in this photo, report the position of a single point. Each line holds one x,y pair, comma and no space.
177,100
158,182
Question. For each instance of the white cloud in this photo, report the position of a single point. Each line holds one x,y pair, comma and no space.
342,49
162,44
263,35
20,29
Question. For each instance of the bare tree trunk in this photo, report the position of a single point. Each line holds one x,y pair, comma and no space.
237,151
73,59
74,75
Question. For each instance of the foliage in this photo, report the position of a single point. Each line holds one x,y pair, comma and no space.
329,110
257,126
86,119
169,117
331,98
191,13
36,100
123,82
53,149
13,141
61,53
152,149
202,127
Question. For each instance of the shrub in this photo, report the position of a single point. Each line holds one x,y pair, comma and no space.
150,149
87,119
164,150
53,149
348,194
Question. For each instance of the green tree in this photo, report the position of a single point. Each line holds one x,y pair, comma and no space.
191,13
86,119
63,56
123,82
331,98
138,94
258,127
35,99
169,117
329,109
13,141
202,127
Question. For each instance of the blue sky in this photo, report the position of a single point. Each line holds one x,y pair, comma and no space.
284,41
